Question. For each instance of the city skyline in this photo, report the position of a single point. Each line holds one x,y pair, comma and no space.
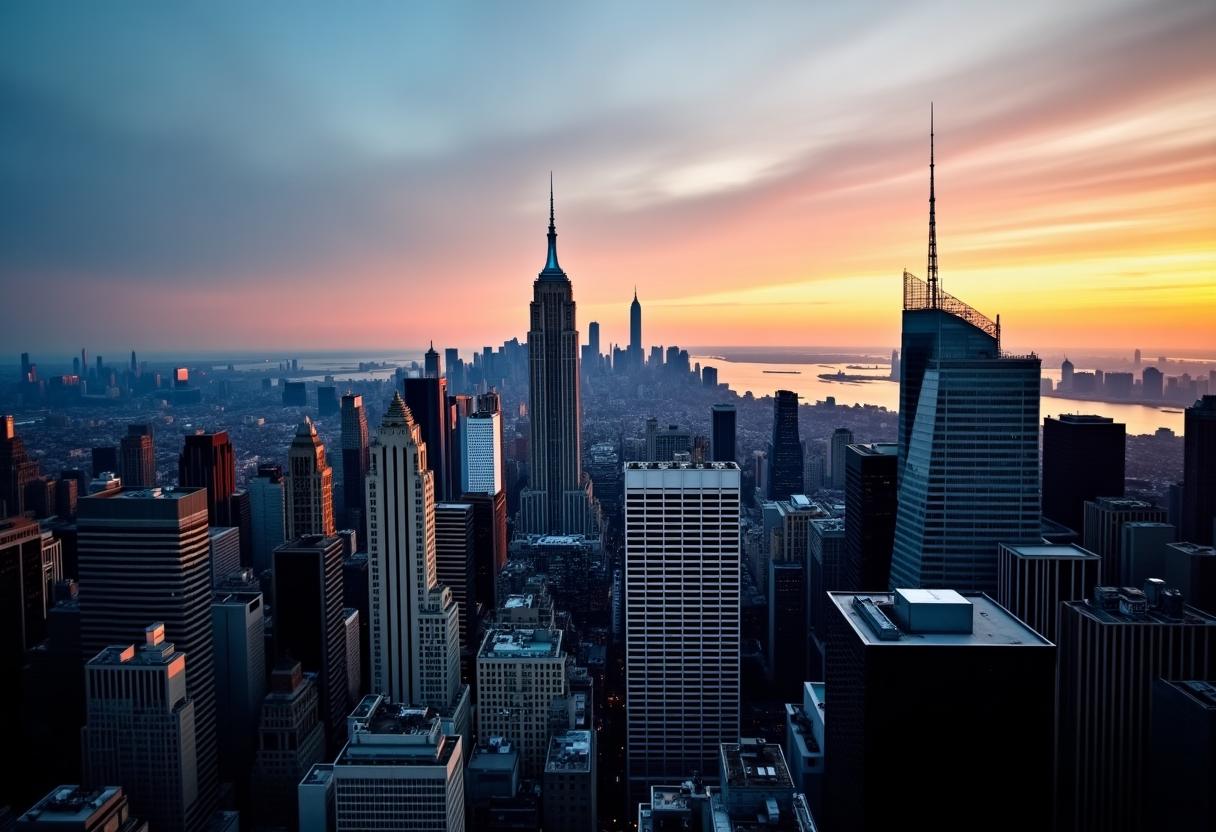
751,163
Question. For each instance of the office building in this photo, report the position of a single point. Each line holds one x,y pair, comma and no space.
308,486
415,621
1151,384
489,543
207,461
870,499
400,770
1034,578
105,458
825,573
354,461
23,593
804,744
267,515
1182,755
663,444
143,555
681,668
1083,459
430,363
636,350
427,400
1191,569
295,394
327,400
1142,553
482,469
558,498
308,621
137,457
569,784
838,446
239,637
1103,530
1112,648
16,470
787,624
909,666
352,626
521,682
80,809
290,740
142,731
225,552
454,566
1199,472
785,449
722,433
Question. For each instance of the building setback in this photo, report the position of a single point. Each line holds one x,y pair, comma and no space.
1033,578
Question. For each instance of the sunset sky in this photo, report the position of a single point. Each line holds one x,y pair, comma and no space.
274,176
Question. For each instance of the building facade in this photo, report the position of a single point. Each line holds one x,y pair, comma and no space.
785,449
1084,457
308,486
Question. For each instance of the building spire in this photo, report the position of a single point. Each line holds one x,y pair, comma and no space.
551,266
931,271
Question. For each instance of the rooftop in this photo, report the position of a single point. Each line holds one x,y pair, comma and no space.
1150,615
682,466
318,775
535,643
1121,504
872,617
570,751
70,804
829,524
166,493
754,763
1202,692
1193,548
876,449
1050,551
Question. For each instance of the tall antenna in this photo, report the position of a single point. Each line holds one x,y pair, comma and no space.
932,267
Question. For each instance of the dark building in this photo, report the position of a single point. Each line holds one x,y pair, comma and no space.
1112,649
207,461
137,457
105,458
356,594
906,670
355,461
459,410
309,623
1182,755
593,338
16,470
427,399
23,606
787,626
1199,472
454,564
785,449
722,438
489,543
327,400
144,556
67,492
1034,578
870,498
240,514
1191,569
636,350
1103,527
431,363
295,394
81,809
1083,459
1151,388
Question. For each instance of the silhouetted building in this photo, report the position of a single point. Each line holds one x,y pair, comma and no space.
919,664
427,400
431,364
1112,648
308,486
327,400
239,636
558,498
308,621
354,461
137,457
1199,472
1083,459
16,470
636,350
454,566
81,809
785,449
1182,755
295,394
1034,578
489,543
1191,569
143,556
105,458
207,461
722,439
1104,519
870,499
1142,554
267,518
290,740
838,445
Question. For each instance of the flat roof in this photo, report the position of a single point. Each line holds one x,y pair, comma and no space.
681,466
754,763
70,804
570,751
1050,551
992,624
1190,616
535,643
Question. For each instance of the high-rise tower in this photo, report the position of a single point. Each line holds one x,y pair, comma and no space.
354,461
137,457
558,497
207,461
968,440
309,485
414,626
635,332
16,470
785,449
1199,472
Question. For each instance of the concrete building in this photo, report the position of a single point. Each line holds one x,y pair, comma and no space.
1113,647
137,457
804,744
455,566
316,805
907,667
290,740
354,654
80,809
1034,578
239,638
1103,532
308,486
482,471
225,552
268,514
681,668
208,461
569,783
838,447
400,770
825,573
141,731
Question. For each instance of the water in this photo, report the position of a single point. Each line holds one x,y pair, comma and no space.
745,376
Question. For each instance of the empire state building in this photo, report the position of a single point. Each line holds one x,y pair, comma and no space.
558,499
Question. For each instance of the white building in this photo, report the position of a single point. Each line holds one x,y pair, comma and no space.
681,618
414,620
400,770
482,472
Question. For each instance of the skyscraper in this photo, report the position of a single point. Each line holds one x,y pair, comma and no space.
870,500
267,506
207,461
143,557
1083,459
427,400
308,486
593,338
1199,472
722,438
968,440
785,449
16,470
137,457
482,469
838,446
635,333
681,668
454,566
558,497
354,462
414,626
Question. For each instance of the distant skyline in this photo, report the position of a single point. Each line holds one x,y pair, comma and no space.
228,177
